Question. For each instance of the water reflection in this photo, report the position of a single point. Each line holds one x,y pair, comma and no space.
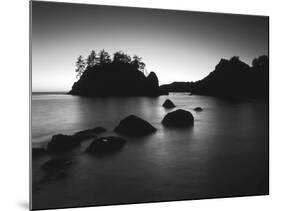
225,153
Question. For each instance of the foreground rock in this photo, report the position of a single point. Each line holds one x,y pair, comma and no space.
168,104
178,118
62,142
198,109
105,145
134,126
56,165
38,152
90,133
55,169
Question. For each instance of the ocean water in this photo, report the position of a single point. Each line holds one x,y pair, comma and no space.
224,154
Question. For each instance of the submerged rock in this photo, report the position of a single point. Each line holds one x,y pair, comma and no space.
178,118
134,126
62,142
106,145
90,133
55,165
168,104
198,109
38,152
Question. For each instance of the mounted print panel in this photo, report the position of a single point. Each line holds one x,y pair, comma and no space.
135,105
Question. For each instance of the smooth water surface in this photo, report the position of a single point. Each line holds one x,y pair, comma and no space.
224,154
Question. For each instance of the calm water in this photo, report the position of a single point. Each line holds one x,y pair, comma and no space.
225,153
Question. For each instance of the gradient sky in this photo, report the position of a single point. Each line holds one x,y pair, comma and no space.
177,45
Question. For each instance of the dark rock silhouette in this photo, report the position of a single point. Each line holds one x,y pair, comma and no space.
90,133
134,126
121,76
38,152
168,104
55,169
60,176
231,78
62,142
178,118
105,145
54,165
176,87
198,109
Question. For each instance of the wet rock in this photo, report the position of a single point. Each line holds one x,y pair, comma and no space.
90,133
105,145
62,142
198,109
178,118
56,165
38,152
60,175
134,126
168,104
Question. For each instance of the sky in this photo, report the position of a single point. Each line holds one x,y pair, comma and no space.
176,45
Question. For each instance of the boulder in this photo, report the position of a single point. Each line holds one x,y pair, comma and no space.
38,152
134,126
104,145
168,104
198,109
56,165
90,133
178,118
62,142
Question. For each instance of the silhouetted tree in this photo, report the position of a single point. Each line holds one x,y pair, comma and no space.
119,76
92,59
138,64
80,66
121,57
104,57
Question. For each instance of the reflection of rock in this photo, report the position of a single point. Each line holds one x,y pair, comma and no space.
38,152
168,104
198,109
134,126
54,165
106,145
178,118
60,175
55,169
62,142
90,133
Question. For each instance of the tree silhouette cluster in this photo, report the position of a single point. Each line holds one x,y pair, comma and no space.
121,75
102,58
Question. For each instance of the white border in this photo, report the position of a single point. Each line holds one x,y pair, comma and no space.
14,84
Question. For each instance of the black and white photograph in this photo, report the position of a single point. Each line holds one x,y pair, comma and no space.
134,105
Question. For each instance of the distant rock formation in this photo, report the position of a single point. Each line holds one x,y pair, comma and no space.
121,76
168,104
231,78
134,126
176,87
235,78
178,118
